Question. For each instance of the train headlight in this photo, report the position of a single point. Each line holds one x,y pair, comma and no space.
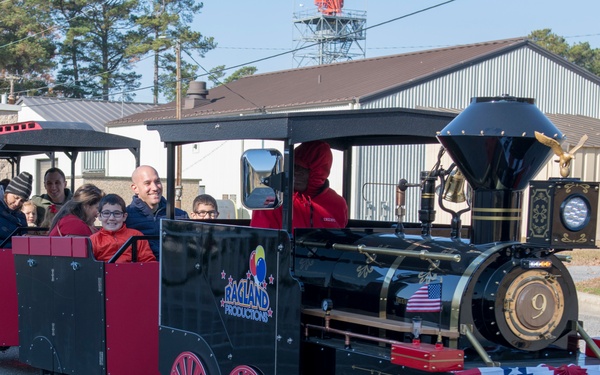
563,213
575,212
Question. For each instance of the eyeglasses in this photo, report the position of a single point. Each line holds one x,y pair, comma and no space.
203,214
116,214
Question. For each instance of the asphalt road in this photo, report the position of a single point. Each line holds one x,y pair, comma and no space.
589,304
580,273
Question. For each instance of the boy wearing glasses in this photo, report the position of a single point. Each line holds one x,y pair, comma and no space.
204,207
106,242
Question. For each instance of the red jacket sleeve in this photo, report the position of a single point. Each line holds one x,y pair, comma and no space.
144,252
266,219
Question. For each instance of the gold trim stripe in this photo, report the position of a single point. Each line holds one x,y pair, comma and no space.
515,210
496,218
463,283
385,286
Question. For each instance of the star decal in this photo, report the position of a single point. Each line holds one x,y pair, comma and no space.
223,274
248,275
270,312
271,279
264,284
222,302
512,371
230,280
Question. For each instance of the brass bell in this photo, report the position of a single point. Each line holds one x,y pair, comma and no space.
454,188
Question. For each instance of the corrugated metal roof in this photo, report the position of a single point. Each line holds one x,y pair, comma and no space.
94,112
574,127
324,85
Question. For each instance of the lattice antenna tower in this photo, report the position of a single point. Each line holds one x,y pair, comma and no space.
329,34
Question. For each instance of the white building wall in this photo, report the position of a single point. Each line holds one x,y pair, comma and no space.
152,151
213,164
29,114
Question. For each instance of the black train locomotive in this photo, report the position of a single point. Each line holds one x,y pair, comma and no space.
372,298
381,299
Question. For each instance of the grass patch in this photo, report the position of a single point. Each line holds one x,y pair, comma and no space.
591,286
585,257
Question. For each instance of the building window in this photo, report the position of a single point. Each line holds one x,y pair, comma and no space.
94,162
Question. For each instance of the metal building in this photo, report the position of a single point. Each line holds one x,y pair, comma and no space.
523,72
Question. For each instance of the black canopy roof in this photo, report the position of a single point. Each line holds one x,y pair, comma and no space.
47,137
51,136
341,129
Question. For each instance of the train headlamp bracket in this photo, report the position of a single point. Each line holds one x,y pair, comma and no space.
563,213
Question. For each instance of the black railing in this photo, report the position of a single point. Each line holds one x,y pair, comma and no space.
132,241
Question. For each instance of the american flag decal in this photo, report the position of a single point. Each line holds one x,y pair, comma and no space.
427,298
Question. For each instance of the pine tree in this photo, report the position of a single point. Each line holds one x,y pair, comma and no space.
94,59
162,24
27,46
580,54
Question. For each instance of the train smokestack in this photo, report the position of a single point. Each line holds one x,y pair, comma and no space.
493,143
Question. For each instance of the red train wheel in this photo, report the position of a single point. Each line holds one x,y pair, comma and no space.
187,363
243,370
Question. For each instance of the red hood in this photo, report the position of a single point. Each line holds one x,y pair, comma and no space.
317,157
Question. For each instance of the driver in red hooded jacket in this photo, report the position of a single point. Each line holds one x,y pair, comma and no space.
315,204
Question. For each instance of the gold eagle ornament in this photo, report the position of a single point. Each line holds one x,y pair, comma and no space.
564,157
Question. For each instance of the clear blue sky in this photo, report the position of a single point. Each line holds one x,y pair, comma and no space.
252,30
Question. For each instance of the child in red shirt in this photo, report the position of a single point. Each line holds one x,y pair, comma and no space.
114,233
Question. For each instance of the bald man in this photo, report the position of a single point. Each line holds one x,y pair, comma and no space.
148,205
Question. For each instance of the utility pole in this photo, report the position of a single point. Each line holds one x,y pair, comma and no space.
11,95
178,157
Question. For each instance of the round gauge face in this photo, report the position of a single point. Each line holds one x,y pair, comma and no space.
575,213
326,305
